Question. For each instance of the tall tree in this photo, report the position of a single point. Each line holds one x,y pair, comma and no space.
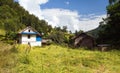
111,32
112,1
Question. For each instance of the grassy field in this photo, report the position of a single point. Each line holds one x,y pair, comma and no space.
57,59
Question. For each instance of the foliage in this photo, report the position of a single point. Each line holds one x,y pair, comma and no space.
112,1
57,37
60,35
2,32
111,25
11,35
57,59
14,18
78,32
7,58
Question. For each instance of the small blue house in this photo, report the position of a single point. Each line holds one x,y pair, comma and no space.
30,36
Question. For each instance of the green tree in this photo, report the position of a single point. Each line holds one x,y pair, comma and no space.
13,18
112,1
78,32
57,37
111,32
64,29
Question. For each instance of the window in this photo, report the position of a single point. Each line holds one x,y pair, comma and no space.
28,36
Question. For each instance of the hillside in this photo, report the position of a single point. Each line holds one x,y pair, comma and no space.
14,18
95,32
57,59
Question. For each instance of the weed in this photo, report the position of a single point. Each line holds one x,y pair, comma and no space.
57,59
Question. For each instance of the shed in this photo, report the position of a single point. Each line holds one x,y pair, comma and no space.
30,36
83,40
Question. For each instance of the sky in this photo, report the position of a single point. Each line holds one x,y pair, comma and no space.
75,14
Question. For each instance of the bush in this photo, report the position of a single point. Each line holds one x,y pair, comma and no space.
11,35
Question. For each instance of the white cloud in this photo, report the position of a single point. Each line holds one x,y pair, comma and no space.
33,6
62,17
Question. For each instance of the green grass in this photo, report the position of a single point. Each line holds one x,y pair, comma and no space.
57,59
2,32
7,58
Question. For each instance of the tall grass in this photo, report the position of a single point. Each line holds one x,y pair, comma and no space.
2,32
57,59
7,58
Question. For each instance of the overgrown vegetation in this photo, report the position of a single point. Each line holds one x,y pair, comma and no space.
54,58
57,59
13,18
111,25
8,59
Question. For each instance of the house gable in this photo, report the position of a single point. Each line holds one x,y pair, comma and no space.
29,30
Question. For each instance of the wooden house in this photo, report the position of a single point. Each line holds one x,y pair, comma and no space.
30,36
83,40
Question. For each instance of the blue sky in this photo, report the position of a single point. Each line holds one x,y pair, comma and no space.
82,6
75,14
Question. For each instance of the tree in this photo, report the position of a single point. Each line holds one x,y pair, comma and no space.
112,1
13,18
78,32
111,32
64,29
57,37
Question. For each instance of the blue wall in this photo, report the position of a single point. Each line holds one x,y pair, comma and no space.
38,38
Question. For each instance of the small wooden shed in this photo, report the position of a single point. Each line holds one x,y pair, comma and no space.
83,40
